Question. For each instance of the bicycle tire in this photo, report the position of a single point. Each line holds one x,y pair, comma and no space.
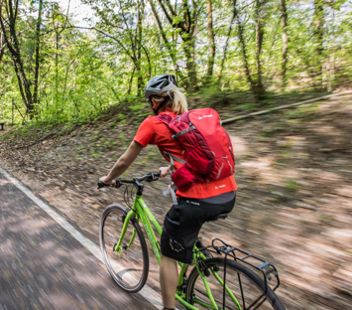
194,289
124,267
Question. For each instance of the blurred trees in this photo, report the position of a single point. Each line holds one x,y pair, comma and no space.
8,22
62,70
182,17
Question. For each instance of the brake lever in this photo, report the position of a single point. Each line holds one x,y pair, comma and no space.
153,176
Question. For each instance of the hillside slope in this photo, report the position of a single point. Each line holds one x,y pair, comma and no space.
294,202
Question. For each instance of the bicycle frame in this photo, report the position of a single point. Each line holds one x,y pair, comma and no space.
141,212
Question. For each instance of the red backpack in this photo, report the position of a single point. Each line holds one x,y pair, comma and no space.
208,149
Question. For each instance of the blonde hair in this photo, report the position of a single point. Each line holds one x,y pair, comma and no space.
179,104
176,100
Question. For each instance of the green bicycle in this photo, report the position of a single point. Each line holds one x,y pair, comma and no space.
220,277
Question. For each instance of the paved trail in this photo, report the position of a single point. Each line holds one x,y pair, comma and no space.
43,267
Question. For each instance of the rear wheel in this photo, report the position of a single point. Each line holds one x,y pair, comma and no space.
128,265
245,286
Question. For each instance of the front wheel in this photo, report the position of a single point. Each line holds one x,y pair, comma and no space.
126,257
244,287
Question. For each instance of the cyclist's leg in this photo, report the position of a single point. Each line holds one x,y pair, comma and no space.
176,244
168,281
180,231
183,222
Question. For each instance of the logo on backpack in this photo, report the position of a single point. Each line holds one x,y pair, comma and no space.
207,147
205,116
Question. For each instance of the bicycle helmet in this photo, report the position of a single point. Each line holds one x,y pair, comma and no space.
160,85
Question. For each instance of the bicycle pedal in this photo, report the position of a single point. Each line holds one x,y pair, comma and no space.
203,268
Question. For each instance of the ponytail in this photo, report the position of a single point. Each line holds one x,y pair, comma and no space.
173,99
179,104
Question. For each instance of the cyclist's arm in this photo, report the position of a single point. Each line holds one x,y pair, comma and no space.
125,160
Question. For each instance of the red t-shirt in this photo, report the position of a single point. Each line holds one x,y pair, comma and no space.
153,131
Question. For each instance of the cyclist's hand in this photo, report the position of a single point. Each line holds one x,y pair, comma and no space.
106,180
164,171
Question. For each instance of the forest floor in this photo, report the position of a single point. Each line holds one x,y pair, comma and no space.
294,170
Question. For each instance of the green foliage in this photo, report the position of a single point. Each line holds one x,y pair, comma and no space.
137,106
86,74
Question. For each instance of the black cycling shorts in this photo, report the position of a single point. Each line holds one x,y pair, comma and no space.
184,220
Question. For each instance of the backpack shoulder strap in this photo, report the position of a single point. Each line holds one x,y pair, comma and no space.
166,119
174,158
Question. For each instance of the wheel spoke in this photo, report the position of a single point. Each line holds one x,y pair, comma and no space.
241,289
244,289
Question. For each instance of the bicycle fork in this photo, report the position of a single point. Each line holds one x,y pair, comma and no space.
119,244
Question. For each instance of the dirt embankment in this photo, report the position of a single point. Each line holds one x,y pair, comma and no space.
294,202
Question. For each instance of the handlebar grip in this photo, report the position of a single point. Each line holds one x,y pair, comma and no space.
101,184
118,183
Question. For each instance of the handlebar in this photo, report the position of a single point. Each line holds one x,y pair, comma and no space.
149,177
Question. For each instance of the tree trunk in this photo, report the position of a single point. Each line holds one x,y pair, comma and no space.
168,45
211,40
131,81
37,52
332,57
139,29
64,88
318,22
243,46
147,55
57,46
188,48
234,14
185,25
2,46
284,25
260,90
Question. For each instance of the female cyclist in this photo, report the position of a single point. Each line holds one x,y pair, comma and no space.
197,204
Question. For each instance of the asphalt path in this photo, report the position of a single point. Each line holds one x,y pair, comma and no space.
42,266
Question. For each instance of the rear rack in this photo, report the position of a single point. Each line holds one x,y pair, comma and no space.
266,270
